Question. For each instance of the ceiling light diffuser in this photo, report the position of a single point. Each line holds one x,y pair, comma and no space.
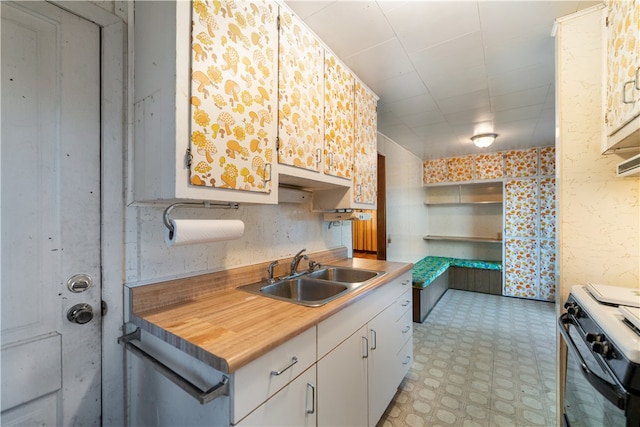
484,140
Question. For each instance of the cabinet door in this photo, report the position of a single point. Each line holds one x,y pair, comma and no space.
342,383
521,267
301,107
234,51
623,63
338,117
385,340
521,207
365,175
294,405
521,163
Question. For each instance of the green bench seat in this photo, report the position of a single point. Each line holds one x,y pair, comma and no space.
433,275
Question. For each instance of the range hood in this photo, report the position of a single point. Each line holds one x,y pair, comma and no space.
630,167
347,216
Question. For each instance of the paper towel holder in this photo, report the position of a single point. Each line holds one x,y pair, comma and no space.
167,220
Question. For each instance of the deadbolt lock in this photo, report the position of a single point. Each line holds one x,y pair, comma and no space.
79,283
80,314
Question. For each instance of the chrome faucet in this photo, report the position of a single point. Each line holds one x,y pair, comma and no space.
296,260
270,271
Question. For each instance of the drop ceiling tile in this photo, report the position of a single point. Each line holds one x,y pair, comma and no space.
388,118
415,104
421,24
465,102
349,27
457,82
523,98
380,62
470,116
518,53
306,8
521,79
401,87
436,62
517,114
502,20
421,119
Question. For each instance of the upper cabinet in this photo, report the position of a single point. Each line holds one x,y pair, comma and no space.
232,99
338,117
365,176
301,105
622,75
205,101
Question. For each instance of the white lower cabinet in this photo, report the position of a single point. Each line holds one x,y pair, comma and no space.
358,378
342,383
294,405
272,374
343,372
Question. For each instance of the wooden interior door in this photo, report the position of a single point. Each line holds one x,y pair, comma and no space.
50,217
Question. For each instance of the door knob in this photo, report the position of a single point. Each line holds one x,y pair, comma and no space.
80,314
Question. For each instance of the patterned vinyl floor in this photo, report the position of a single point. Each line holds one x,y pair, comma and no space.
480,360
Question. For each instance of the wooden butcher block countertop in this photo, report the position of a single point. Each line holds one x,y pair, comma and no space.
208,318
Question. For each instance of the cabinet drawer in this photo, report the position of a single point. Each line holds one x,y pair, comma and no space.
404,360
402,304
343,324
405,325
294,405
254,383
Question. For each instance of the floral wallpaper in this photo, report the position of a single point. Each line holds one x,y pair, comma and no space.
548,207
521,207
366,146
489,166
460,169
233,93
521,163
300,107
338,117
521,267
434,171
547,161
547,270
623,43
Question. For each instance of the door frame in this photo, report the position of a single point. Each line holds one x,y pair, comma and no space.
115,84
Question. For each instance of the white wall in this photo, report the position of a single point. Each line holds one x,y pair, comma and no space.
599,214
406,213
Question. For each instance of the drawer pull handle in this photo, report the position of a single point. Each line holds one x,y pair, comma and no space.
406,282
374,338
406,303
294,360
365,342
313,398
407,360
406,329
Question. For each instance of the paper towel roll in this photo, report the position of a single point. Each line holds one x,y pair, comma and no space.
190,231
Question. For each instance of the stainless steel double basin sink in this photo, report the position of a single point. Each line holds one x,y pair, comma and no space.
314,288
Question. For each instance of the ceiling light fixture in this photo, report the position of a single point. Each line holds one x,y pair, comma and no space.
484,140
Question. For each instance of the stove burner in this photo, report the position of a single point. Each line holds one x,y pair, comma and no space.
632,326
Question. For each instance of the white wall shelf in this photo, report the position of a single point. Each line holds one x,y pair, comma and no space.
463,239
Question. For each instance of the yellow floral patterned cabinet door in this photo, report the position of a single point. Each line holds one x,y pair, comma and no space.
233,94
338,117
300,109
623,63
365,175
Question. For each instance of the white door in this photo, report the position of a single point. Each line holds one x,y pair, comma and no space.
50,217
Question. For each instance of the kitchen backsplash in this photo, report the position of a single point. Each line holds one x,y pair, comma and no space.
271,232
